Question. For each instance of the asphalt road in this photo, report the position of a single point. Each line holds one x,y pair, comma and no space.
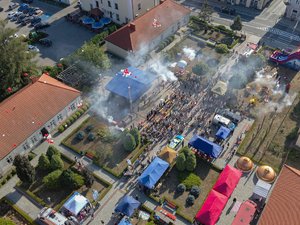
269,24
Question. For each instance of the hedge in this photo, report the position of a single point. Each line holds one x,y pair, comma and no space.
20,211
234,43
31,195
108,186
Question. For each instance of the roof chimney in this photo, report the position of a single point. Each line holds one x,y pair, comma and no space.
131,26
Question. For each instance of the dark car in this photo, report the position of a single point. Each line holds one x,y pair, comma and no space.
45,42
228,10
25,21
27,1
41,25
35,21
21,17
1,9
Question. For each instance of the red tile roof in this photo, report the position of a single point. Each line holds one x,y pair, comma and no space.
30,108
141,30
283,205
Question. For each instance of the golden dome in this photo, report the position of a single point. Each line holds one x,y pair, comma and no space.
266,173
244,164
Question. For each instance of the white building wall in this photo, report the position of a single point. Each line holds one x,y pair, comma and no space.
120,11
36,138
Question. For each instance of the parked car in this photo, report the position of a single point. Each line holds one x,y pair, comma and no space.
45,42
35,21
27,1
228,10
21,18
176,142
41,25
38,12
13,5
25,21
23,7
10,15
33,48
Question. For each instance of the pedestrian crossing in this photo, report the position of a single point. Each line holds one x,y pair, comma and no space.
282,33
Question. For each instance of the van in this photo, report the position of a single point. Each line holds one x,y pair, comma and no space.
49,216
222,121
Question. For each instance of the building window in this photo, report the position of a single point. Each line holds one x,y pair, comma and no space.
109,4
127,20
110,14
91,6
97,4
139,6
59,117
33,139
116,6
52,123
26,146
73,107
9,159
118,17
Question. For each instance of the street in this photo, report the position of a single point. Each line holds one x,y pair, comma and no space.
269,24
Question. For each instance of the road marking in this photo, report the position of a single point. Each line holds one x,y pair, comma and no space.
280,33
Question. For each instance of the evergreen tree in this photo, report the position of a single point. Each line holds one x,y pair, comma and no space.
237,24
25,170
180,162
44,163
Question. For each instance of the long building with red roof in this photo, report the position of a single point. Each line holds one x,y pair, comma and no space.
148,30
32,112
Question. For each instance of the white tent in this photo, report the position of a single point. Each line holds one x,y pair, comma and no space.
182,64
262,188
76,203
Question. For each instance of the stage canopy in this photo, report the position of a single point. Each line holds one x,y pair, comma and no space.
212,208
227,181
168,154
127,205
124,221
203,145
262,188
76,203
223,133
132,86
153,172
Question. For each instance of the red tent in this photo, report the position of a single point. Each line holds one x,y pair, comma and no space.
245,214
212,208
227,181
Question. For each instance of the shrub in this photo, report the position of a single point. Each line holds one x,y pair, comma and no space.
78,114
222,48
81,111
189,179
180,162
190,163
44,162
52,180
88,178
195,191
71,119
89,128
85,107
190,200
8,176
129,142
68,122
74,116
52,151
71,179
6,221
136,134
200,69
91,136
30,156
80,135
180,188
56,163
13,172
3,181
61,129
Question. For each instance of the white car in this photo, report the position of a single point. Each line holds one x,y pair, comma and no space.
33,48
14,36
13,5
11,14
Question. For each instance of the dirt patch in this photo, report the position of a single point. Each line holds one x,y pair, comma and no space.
6,211
208,176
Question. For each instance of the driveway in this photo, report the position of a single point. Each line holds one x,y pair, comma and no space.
66,36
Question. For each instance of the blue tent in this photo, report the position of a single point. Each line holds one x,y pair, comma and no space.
223,132
153,172
133,86
203,145
124,221
127,205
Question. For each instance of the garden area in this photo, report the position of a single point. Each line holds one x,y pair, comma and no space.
54,171
10,216
107,146
188,184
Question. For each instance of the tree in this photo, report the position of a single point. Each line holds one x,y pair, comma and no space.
195,191
180,162
52,151
88,178
190,200
180,188
200,69
51,181
71,180
15,60
6,221
190,162
205,11
222,48
129,142
44,162
137,136
56,163
25,170
80,136
237,24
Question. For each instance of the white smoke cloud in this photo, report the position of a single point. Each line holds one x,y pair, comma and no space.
189,53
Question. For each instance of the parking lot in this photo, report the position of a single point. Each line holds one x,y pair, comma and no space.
66,37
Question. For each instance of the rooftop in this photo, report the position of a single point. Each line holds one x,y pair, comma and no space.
30,108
